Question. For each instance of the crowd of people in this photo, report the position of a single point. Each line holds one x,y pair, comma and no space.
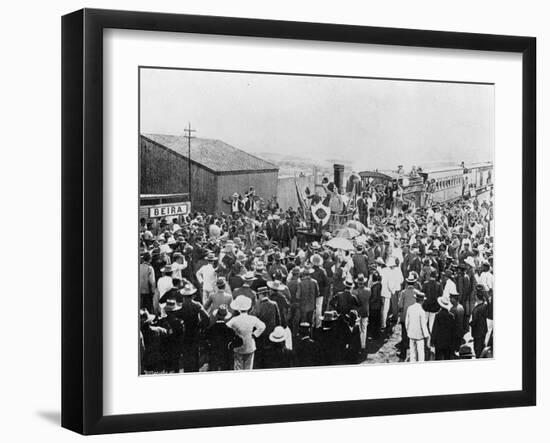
243,290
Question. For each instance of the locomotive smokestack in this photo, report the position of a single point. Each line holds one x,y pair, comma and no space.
339,177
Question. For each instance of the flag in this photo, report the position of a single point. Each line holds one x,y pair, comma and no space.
321,212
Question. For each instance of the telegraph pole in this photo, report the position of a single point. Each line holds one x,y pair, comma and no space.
188,133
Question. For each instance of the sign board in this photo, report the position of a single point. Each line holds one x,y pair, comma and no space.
170,210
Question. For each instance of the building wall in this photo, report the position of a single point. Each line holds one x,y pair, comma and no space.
165,172
162,171
265,184
286,190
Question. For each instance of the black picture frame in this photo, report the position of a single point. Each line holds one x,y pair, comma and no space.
82,220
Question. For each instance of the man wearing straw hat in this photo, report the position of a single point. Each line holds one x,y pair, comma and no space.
219,336
277,355
417,328
246,288
247,327
362,294
307,293
444,330
195,318
407,298
207,276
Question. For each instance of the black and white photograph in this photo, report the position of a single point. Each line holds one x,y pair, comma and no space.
291,221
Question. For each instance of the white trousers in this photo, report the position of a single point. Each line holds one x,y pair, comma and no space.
363,323
489,330
417,349
318,311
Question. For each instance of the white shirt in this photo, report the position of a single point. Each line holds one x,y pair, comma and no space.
450,285
164,284
177,268
416,322
391,281
207,277
246,326
486,279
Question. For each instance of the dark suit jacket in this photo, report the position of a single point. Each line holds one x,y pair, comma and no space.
308,352
433,290
479,321
344,302
268,312
444,330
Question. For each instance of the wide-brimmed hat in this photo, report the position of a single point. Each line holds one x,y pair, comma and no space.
276,285
241,303
249,276
220,283
188,289
211,257
222,313
259,252
444,302
260,266
308,269
315,245
411,278
295,270
348,283
380,261
278,335
235,195
316,260
360,279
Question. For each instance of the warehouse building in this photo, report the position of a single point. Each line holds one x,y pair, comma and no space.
217,171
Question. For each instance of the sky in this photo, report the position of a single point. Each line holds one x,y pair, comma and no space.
371,123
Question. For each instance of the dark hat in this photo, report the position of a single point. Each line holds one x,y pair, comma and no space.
419,295
222,313
465,351
330,316
220,283
352,316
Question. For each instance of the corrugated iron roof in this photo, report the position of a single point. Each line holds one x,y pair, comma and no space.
215,155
